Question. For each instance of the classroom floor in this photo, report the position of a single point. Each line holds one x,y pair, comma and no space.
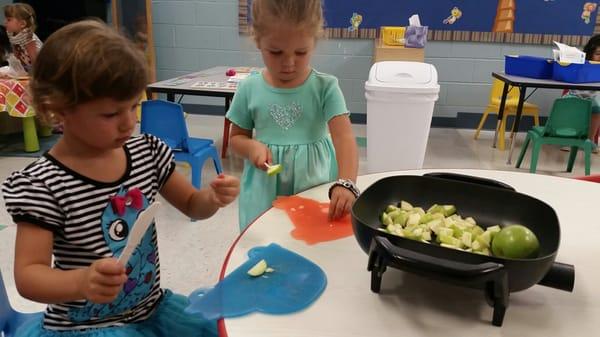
192,252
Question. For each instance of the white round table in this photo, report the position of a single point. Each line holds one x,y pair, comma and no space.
409,305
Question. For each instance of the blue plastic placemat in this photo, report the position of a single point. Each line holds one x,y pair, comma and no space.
293,285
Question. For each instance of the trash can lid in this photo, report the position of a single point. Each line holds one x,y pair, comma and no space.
401,76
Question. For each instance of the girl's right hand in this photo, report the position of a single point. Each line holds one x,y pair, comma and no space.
259,155
103,280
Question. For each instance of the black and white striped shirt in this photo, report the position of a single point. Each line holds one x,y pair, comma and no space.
75,208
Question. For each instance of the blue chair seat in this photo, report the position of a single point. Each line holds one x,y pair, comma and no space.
166,121
196,144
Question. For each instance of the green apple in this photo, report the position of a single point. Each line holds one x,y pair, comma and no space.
515,242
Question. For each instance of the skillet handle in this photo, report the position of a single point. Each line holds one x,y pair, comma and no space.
560,276
470,179
435,267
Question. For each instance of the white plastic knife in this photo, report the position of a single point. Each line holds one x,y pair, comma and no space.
140,226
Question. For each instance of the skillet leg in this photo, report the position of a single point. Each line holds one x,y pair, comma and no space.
375,281
496,295
377,268
499,311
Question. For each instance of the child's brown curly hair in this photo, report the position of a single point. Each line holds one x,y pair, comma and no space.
84,61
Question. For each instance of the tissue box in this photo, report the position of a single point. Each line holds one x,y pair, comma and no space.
392,36
576,73
528,66
415,36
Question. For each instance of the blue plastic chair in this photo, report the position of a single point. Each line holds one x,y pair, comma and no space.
10,319
166,121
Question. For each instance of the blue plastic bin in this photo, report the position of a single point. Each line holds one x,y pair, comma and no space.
528,66
576,73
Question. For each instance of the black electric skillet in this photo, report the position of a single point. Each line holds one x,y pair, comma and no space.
490,203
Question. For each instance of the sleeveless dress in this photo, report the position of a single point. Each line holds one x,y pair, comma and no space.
292,122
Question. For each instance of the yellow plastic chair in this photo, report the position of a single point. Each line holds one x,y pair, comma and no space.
510,108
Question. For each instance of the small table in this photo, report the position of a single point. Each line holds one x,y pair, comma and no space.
523,83
15,99
211,82
409,305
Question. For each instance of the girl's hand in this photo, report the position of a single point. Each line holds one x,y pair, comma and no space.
224,189
259,155
103,280
341,201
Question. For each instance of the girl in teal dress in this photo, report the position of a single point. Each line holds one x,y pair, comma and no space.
291,114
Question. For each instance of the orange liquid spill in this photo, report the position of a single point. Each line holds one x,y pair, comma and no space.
310,220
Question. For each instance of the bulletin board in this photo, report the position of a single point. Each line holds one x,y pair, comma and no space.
500,21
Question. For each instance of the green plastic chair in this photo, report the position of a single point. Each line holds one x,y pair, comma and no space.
567,125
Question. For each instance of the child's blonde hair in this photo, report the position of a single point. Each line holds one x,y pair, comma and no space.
23,12
84,61
304,14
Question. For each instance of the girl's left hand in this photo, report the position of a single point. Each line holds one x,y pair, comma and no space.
224,189
341,202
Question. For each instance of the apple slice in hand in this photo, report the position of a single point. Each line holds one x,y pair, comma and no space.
273,169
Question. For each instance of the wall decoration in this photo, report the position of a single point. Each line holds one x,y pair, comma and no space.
502,21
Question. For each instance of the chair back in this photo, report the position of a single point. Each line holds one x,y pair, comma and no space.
496,92
569,118
166,121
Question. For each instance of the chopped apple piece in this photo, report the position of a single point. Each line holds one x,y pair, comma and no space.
258,268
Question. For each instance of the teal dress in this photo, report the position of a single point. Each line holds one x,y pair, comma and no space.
293,124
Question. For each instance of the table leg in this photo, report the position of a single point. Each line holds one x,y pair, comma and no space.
500,113
226,127
149,94
171,97
30,137
515,127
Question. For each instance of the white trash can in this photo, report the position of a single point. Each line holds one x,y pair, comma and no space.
400,99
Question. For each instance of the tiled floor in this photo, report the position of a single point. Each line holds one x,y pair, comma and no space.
192,252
